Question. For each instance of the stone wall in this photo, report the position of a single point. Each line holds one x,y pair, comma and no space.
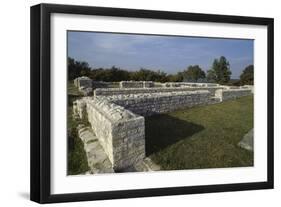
148,84
128,91
79,108
251,87
116,115
119,131
83,82
98,161
182,84
149,104
227,94
136,84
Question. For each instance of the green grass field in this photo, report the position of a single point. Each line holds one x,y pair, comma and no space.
201,137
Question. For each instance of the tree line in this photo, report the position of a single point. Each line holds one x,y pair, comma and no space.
219,73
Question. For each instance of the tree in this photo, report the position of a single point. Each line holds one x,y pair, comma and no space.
211,76
193,73
247,76
178,77
148,75
220,71
77,68
109,74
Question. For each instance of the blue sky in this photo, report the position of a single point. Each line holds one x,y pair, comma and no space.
166,53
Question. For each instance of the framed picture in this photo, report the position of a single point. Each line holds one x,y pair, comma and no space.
133,103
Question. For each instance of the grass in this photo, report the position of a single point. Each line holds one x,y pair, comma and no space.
201,137
76,157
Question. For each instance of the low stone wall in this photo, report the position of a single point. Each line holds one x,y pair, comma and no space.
98,161
83,82
251,87
182,84
116,115
227,94
79,108
119,131
149,104
148,84
136,84
131,84
128,91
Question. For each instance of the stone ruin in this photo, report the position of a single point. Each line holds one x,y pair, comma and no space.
117,115
180,84
84,85
136,84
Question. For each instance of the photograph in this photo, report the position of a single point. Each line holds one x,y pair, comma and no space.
129,103
154,102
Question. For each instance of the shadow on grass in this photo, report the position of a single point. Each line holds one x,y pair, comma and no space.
164,130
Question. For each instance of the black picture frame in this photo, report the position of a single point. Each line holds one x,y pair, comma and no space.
41,99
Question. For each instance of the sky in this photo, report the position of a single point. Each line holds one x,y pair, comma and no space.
170,54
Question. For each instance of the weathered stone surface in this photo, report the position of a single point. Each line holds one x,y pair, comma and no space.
98,161
86,91
84,85
83,81
128,91
248,141
131,84
148,104
119,131
136,84
251,87
227,94
116,117
186,84
148,84
79,108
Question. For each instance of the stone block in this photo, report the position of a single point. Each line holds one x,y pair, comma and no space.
228,94
116,128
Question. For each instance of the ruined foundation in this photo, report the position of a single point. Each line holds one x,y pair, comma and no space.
116,115
155,103
119,131
232,93
128,91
